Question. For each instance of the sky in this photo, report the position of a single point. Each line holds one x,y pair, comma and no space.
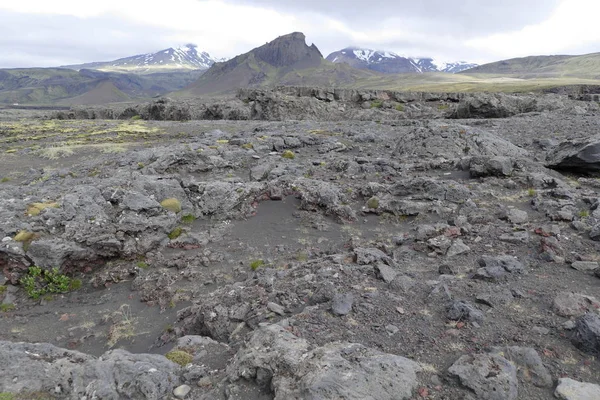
44,33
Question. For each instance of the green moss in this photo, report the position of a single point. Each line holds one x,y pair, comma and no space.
175,233
6,308
180,357
248,146
531,192
400,108
75,284
136,117
373,203
442,107
140,165
584,214
188,219
377,104
256,264
288,154
5,179
7,396
2,289
171,204
142,265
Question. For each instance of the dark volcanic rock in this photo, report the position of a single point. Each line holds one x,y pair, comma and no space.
577,155
586,335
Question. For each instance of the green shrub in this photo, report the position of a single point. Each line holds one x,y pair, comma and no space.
256,264
288,154
24,236
38,282
180,357
171,204
175,233
377,104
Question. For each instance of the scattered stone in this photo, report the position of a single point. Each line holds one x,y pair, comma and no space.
531,369
567,304
585,265
490,376
182,391
586,334
457,247
342,304
276,308
576,155
517,216
464,311
569,389
371,256
385,272
495,297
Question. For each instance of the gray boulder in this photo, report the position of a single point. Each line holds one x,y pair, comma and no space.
579,155
586,334
115,375
490,376
280,361
569,389
531,368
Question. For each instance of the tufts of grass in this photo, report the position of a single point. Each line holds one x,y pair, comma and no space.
531,192
36,208
123,328
5,179
188,219
288,154
175,233
179,357
373,203
136,118
442,107
248,146
39,282
56,152
377,104
7,307
171,204
142,265
584,214
256,264
400,108
2,289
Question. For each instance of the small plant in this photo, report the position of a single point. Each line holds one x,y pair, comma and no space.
2,289
256,264
584,214
175,233
442,107
36,208
377,104
7,396
24,236
531,192
373,203
188,219
140,165
179,357
6,308
142,265
5,179
39,282
171,204
400,108
248,146
222,141
75,284
288,154
302,257
136,118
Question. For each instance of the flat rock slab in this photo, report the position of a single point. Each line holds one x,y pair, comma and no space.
568,304
569,389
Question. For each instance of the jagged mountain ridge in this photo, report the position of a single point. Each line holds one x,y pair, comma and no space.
392,63
184,57
287,60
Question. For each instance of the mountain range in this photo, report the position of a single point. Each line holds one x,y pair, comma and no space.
392,63
179,58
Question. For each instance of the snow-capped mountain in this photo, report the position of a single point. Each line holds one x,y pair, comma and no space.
388,62
184,57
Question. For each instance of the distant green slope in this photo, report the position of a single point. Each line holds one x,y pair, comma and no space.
585,66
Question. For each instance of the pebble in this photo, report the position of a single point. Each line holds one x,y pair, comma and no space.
276,308
182,391
342,304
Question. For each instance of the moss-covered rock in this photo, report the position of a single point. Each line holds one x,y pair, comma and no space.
171,204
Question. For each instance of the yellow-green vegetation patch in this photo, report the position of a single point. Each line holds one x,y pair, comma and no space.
7,396
324,132
248,146
24,236
171,204
179,357
373,203
36,208
288,154
10,151
2,289
531,192
222,141
256,264
142,265
5,179
377,104
56,152
6,307
400,108
175,233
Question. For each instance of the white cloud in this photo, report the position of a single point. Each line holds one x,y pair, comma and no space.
572,27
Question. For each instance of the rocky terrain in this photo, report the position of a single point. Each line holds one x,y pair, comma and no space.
302,243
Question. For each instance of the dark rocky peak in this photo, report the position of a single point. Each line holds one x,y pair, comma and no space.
289,50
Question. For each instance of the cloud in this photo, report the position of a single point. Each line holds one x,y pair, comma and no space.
59,32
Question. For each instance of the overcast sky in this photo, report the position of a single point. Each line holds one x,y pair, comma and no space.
47,33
